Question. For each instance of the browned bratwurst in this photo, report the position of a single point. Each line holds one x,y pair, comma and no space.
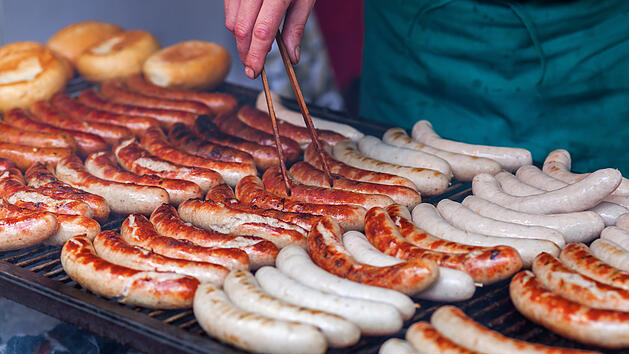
184,138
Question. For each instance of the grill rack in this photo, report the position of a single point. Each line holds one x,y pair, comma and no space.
34,277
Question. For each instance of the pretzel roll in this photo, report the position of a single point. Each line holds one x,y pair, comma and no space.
193,65
29,72
118,56
72,40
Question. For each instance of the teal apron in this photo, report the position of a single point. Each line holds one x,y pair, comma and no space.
541,75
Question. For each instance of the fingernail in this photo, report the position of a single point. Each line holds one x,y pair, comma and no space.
297,52
250,72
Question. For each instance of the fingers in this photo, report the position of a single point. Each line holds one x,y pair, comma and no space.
247,14
264,30
231,11
294,25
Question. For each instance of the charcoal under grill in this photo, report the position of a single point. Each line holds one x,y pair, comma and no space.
34,277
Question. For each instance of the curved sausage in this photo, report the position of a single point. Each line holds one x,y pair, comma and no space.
561,280
575,197
312,157
230,124
116,91
122,198
465,219
616,235
456,326
110,133
110,247
103,165
274,183
77,110
396,346
426,338
126,285
582,226
486,267
610,253
217,102
40,177
305,173
427,218
427,182
134,158
15,135
605,328
464,167
452,285
24,155
623,222
184,138
295,262
327,251
137,230
155,142
374,148
250,191
86,143
578,257
251,331
215,216
260,120
245,292
165,117
13,190
509,158
167,223
372,317
25,230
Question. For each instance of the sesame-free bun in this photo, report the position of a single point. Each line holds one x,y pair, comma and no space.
29,72
71,41
118,56
188,65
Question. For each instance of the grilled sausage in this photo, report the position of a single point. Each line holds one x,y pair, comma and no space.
138,230
40,177
126,285
110,133
156,143
605,328
616,235
122,198
184,138
396,346
24,229
77,110
217,102
426,338
509,158
167,223
112,248
6,164
260,120
251,331
274,183
611,253
578,257
116,91
24,155
103,165
305,173
16,135
165,117
250,191
86,142
134,158
327,251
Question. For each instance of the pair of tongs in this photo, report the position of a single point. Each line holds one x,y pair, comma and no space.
304,112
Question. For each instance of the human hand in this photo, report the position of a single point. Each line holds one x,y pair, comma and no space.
255,23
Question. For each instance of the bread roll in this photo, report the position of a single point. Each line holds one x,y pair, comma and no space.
29,72
119,56
71,41
188,65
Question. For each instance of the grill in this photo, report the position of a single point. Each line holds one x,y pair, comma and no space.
34,277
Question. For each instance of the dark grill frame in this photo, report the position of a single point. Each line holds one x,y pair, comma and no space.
35,278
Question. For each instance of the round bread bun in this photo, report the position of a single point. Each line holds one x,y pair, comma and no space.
29,72
118,56
188,65
71,41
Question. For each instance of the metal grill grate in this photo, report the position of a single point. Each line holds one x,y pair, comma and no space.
34,277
